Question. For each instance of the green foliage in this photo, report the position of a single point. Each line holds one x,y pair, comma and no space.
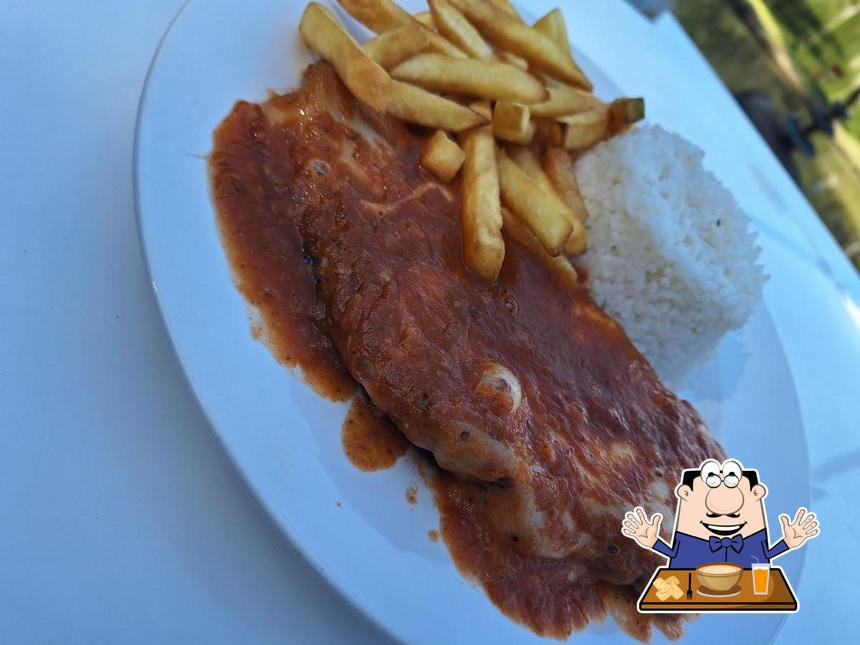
818,34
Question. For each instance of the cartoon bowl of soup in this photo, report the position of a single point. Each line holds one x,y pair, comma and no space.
718,577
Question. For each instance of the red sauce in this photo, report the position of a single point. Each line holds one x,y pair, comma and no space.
552,597
259,231
370,440
260,213
433,535
412,495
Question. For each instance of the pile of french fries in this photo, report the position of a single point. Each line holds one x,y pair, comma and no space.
511,94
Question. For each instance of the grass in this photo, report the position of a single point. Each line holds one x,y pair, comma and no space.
821,33
832,184
784,60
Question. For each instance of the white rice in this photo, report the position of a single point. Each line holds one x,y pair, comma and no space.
670,253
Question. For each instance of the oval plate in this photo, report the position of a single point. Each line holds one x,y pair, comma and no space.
355,528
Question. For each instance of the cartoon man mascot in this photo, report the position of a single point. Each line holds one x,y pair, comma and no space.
720,518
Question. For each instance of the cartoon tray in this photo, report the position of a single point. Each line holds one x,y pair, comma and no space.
780,596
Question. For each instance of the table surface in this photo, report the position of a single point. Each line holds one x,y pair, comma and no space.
779,596
123,518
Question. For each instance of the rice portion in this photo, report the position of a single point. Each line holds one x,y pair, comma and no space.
670,253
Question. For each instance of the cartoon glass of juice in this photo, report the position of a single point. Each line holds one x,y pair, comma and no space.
761,578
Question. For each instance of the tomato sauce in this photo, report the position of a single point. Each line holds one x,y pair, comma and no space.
253,172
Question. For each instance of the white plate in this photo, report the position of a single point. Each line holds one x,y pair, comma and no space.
285,440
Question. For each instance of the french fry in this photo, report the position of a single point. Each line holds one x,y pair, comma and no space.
553,26
511,122
416,105
442,156
384,15
483,245
549,131
525,138
377,15
509,34
507,7
390,48
514,227
483,108
527,161
624,112
586,128
558,167
454,26
470,77
362,76
442,45
425,19
565,100
513,59
544,215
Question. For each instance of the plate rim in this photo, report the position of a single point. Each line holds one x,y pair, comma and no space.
355,603
332,582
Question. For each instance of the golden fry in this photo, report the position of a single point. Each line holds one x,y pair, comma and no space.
564,100
585,129
507,7
548,81
549,131
416,105
362,76
442,45
483,108
390,48
511,122
513,59
425,19
442,156
453,25
559,169
483,246
384,15
552,25
527,161
543,214
623,113
470,77
510,34
377,15
514,227
524,138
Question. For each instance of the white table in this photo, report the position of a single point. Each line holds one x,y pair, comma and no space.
123,519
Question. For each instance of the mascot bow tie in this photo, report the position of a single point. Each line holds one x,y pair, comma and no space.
737,543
